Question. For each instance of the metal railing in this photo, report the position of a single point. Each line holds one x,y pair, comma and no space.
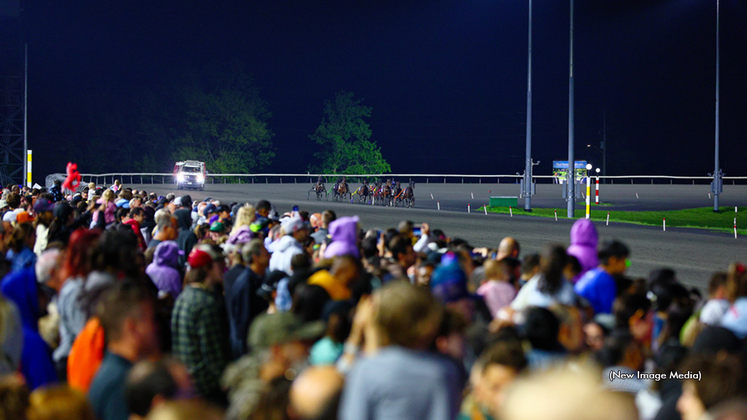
307,178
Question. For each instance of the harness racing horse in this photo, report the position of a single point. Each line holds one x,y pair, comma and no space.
408,195
363,193
387,196
319,189
341,189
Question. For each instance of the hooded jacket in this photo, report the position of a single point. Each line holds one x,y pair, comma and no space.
344,232
584,240
36,357
163,270
187,239
285,249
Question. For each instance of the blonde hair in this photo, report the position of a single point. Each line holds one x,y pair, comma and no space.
495,270
244,217
58,402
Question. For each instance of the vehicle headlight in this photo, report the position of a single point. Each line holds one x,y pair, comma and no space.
200,178
180,177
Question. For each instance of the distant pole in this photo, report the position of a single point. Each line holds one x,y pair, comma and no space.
604,144
528,163
25,107
571,157
717,170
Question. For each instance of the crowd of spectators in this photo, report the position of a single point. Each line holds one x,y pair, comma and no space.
119,304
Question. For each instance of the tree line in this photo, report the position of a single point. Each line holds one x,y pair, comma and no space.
216,114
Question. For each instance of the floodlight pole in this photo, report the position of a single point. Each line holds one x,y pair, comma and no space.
717,171
528,163
571,158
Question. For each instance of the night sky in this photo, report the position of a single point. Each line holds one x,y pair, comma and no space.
446,78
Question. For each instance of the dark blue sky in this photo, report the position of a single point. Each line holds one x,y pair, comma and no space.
446,79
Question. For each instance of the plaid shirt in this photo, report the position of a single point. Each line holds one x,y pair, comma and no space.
199,332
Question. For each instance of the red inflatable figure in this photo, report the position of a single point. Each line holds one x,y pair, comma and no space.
73,177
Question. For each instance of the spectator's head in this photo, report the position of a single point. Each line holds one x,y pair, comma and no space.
13,200
137,213
552,264
541,328
721,379
23,235
496,270
59,402
503,362
168,227
263,208
245,216
509,247
295,227
717,286
309,301
152,383
14,397
630,311
595,334
613,256
530,266
186,410
451,340
315,394
573,394
402,252
736,282
408,316
328,216
255,255
127,315
207,265
285,337
621,349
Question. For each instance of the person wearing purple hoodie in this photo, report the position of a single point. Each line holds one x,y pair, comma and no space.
344,233
164,269
584,241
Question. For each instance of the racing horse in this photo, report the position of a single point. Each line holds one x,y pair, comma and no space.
341,190
387,196
362,192
318,189
408,195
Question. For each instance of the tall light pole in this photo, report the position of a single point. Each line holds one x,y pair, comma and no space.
716,187
571,158
528,163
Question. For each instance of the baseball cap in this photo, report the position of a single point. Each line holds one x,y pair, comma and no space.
24,217
209,209
283,327
42,204
217,227
3,204
270,283
293,224
203,255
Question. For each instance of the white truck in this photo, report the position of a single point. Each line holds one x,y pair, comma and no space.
190,174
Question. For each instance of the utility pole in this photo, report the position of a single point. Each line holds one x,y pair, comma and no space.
571,158
528,163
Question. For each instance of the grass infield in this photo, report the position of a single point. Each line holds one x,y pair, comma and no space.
701,217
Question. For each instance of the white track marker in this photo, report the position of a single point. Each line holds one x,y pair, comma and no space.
485,207
439,204
735,228
608,218
636,195
664,224
472,194
511,211
556,215
431,196
709,196
469,208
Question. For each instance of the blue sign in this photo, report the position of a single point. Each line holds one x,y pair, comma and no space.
563,164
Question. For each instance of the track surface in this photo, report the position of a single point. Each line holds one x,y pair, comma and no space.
695,254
